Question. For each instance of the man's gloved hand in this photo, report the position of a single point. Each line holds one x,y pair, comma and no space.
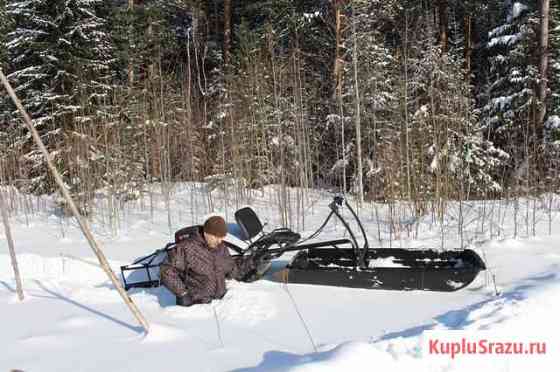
185,300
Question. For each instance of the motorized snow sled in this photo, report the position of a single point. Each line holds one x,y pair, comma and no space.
340,262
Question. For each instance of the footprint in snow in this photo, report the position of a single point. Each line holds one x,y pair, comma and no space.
41,340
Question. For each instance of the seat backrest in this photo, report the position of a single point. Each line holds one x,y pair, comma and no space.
249,223
186,232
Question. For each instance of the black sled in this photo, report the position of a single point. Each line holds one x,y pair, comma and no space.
388,268
340,262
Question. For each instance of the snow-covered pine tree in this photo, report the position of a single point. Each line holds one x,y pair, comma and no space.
447,138
552,125
509,102
377,70
60,58
3,96
264,94
3,31
248,98
554,71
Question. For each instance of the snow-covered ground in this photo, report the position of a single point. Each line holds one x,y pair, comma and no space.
73,319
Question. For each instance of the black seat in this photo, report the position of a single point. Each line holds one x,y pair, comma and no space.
283,236
251,226
186,232
249,223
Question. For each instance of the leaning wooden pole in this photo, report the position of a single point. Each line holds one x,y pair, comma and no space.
85,229
19,288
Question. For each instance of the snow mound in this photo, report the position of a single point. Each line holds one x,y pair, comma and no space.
161,333
74,322
351,356
527,309
60,268
72,311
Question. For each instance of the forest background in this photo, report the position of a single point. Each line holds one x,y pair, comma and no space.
421,102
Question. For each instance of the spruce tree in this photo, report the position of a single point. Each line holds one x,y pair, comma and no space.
509,98
4,26
552,123
371,51
5,104
554,73
447,136
60,57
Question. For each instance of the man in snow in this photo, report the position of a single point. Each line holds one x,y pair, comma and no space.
195,271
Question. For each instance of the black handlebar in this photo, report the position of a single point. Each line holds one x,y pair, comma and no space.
289,240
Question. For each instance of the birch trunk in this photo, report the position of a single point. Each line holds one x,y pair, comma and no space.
227,33
130,42
337,56
443,20
3,207
83,226
358,116
468,45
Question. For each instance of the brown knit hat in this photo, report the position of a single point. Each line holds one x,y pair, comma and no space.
216,226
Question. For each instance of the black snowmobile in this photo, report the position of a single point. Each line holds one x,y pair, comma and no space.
340,262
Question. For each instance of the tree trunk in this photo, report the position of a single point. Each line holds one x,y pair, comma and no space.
468,45
227,32
130,42
443,34
337,53
407,137
543,63
338,74
150,32
3,207
359,170
81,222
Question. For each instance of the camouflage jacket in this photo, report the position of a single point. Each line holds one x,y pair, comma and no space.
194,268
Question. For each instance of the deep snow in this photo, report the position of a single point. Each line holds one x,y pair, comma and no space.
74,320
